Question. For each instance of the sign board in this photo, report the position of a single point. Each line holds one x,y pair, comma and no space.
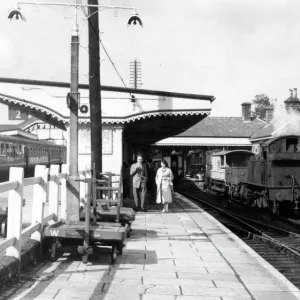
84,145
14,114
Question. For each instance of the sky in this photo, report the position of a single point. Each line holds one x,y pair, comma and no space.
230,49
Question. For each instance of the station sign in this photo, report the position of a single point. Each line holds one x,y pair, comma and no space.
16,115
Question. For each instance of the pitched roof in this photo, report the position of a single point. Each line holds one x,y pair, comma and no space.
282,127
5,127
20,126
223,127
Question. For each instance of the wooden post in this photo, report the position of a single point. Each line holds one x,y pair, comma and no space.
110,193
14,220
86,241
72,185
87,175
53,191
95,89
47,185
83,188
39,199
63,193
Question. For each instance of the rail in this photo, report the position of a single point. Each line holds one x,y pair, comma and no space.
45,189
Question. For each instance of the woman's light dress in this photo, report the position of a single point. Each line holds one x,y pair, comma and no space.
163,179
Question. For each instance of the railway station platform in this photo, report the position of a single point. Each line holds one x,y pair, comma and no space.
184,255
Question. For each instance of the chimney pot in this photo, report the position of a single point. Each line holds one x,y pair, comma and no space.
292,104
269,113
295,93
246,111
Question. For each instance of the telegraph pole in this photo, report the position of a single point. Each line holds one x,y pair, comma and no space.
135,74
95,88
73,98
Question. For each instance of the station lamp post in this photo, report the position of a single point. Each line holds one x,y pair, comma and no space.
73,96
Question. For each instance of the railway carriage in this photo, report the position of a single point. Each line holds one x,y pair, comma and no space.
27,153
268,179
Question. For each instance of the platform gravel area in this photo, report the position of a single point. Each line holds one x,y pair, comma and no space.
185,254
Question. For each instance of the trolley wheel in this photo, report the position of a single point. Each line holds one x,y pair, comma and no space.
53,249
113,254
120,249
128,232
46,246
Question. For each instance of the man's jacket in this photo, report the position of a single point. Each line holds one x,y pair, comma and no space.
139,175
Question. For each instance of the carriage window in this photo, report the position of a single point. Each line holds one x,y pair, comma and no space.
20,151
291,144
2,149
8,150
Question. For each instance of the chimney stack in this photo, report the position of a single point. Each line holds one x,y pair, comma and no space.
293,102
269,113
246,111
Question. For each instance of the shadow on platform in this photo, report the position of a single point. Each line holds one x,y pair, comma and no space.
69,270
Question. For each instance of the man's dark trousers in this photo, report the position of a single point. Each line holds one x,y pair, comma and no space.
139,195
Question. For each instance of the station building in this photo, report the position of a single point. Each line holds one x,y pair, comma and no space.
210,134
128,126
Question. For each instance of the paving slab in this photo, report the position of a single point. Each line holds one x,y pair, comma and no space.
184,255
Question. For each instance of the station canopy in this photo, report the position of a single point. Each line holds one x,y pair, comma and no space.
148,117
204,141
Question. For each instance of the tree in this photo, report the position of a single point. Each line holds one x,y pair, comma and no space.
261,102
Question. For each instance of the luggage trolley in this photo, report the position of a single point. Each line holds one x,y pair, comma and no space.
89,231
107,207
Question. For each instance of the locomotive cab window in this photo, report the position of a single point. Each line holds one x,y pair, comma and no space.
222,160
265,154
291,144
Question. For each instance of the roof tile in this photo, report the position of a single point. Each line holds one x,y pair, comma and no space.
223,127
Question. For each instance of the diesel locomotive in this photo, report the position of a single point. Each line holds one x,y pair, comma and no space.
267,179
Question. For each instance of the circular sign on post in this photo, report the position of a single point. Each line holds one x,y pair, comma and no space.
84,109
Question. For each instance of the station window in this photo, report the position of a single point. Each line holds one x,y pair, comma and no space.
198,158
2,149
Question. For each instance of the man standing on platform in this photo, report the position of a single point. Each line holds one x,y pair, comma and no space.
138,171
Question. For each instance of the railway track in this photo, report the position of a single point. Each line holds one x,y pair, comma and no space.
280,247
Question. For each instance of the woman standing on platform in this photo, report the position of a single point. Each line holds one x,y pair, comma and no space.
164,182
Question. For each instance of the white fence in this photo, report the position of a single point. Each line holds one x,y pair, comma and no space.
46,188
